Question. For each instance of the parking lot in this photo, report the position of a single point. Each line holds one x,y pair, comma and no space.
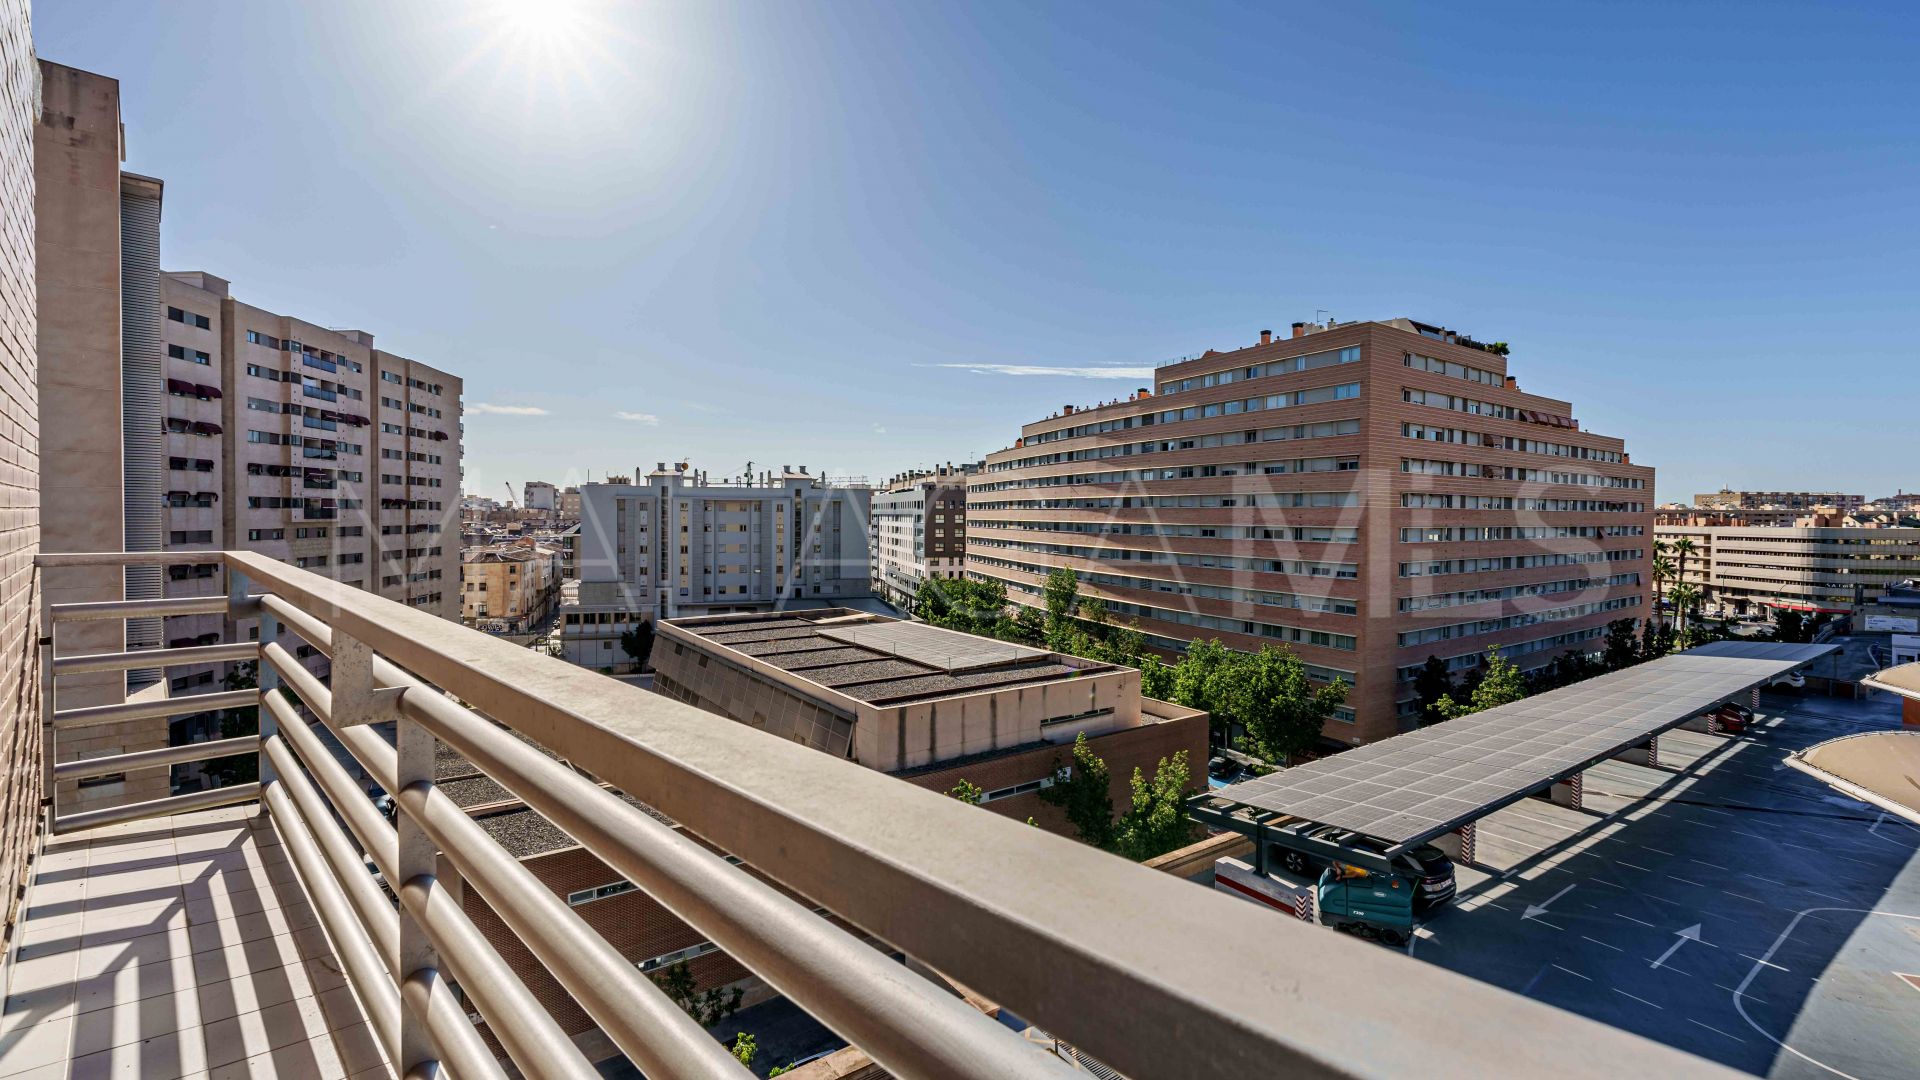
1723,904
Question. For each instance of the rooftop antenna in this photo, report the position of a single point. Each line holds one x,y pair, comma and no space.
1317,312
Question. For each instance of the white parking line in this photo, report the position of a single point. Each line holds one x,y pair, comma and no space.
1826,896
1704,862
1716,1030
1711,810
1636,866
1757,960
1650,847
1756,836
1768,880
1636,997
1597,941
1570,971
1609,884
1677,877
1631,919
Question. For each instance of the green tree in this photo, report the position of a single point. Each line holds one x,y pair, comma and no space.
1621,650
1790,625
1431,683
1061,594
234,723
1662,573
1197,682
707,1007
1083,790
743,1047
1656,640
1684,599
1157,822
637,643
1502,683
1683,549
1269,692
1156,678
967,792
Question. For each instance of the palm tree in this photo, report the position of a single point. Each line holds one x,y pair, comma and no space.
1684,597
1662,573
1682,548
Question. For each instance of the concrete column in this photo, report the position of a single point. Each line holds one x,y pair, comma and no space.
1568,793
1647,753
1457,844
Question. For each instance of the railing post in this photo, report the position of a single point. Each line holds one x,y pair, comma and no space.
418,857
49,793
267,679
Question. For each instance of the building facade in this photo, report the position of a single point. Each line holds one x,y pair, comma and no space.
1369,494
918,530
1784,500
1831,567
540,495
97,241
509,587
674,545
306,444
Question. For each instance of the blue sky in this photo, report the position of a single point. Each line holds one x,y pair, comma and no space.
782,232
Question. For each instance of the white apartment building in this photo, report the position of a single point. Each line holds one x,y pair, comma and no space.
674,545
918,530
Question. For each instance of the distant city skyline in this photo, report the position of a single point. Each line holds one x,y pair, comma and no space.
873,239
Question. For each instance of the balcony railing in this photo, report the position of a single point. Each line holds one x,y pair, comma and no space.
1146,973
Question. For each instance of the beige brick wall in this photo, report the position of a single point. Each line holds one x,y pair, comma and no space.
19,461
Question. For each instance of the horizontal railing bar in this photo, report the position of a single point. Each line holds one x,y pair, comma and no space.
138,609
167,807
773,935
141,658
369,828
633,1012
370,906
68,719
364,970
533,1040
833,974
127,558
453,1034
149,759
500,996
1073,938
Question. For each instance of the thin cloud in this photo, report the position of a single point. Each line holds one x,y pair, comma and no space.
507,410
1135,373
646,418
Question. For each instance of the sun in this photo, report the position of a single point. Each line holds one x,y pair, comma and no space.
540,25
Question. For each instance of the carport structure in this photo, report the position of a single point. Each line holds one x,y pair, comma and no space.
1431,785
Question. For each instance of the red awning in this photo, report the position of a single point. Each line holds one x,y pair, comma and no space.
207,391
202,427
439,436
179,386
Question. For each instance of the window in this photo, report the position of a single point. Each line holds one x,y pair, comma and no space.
588,896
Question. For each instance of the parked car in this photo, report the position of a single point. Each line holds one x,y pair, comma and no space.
1733,719
1789,680
1429,868
1222,768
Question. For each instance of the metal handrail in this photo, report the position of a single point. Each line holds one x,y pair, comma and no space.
1103,952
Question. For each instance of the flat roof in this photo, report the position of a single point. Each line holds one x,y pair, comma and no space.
1410,788
1762,650
1880,767
881,661
1903,680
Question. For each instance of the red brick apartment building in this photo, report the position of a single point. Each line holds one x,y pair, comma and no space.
1368,493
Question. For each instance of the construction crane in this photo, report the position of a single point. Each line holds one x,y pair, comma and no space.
510,502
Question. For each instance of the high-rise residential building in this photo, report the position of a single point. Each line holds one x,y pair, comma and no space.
97,238
1821,563
674,545
1369,494
1784,500
306,444
918,530
540,495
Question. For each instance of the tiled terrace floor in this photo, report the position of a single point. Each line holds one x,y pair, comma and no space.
177,947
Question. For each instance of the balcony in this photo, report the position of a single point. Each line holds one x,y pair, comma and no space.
175,937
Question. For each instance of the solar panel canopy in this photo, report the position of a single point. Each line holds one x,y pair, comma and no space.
1416,786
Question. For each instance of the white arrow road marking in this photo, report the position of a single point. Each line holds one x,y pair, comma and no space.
1534,911
1691,933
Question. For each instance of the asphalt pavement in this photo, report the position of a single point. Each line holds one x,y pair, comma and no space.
1723,904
